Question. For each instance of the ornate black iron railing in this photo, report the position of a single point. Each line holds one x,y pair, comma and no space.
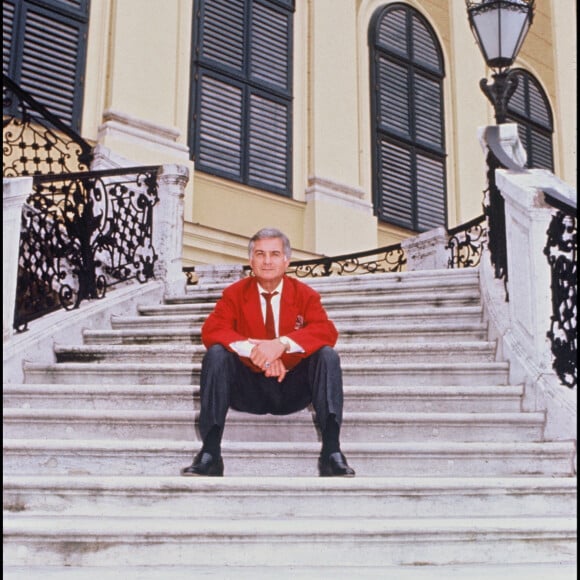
494,211
466,243
36,142
82,233
562,253
465,247
385,259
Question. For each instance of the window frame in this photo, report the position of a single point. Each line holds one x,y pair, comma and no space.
417,148
249,86
530,124
25,71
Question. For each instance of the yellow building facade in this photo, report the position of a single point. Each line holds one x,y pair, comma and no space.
137,106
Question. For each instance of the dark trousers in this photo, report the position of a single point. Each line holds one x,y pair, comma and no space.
226,382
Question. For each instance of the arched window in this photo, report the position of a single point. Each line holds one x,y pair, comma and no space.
241,98
45,52
529,108
409,177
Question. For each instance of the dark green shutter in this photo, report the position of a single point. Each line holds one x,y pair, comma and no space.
268,143
220,126
430,192
393,98
242,121
270,47
47,53
425,46
529,108
407,105
8,26
428,112
391,32
395,183
222,34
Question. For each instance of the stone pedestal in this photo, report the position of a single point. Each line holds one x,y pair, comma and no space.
14,193
168,228
427,251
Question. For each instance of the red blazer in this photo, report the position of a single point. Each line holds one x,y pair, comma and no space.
238,316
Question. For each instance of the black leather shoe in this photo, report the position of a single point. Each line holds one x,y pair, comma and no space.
334,465
205,464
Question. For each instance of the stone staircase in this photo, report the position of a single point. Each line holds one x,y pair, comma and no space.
454,479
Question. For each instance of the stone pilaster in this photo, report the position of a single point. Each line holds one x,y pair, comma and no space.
14,193
168,228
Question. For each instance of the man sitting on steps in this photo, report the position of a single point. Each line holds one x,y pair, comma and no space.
270,350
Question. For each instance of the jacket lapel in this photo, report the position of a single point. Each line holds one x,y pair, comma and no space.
288,308
252,311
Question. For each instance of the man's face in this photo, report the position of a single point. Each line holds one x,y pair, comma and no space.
269,262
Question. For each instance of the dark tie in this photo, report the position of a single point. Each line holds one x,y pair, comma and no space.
270,326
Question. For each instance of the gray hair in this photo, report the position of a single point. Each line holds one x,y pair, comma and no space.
268,234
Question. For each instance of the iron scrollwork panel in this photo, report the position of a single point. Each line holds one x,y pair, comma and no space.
466,244
562,252
36,142
82,233
391,259
123,249
494,210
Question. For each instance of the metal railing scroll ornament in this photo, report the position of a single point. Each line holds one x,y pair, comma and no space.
82,231
465,246
380,260
36,142
466,243
561,251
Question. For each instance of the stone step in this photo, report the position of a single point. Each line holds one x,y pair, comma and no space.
402,374
419,315
119,457
303,571
366,285
424,281
380,331
353,299
357,426
294,497
403,298
450,470
94,541
352,316
386,331
355,352
185,397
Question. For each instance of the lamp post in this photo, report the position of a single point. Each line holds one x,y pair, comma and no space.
500,28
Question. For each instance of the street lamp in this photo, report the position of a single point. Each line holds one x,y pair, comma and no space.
500,27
